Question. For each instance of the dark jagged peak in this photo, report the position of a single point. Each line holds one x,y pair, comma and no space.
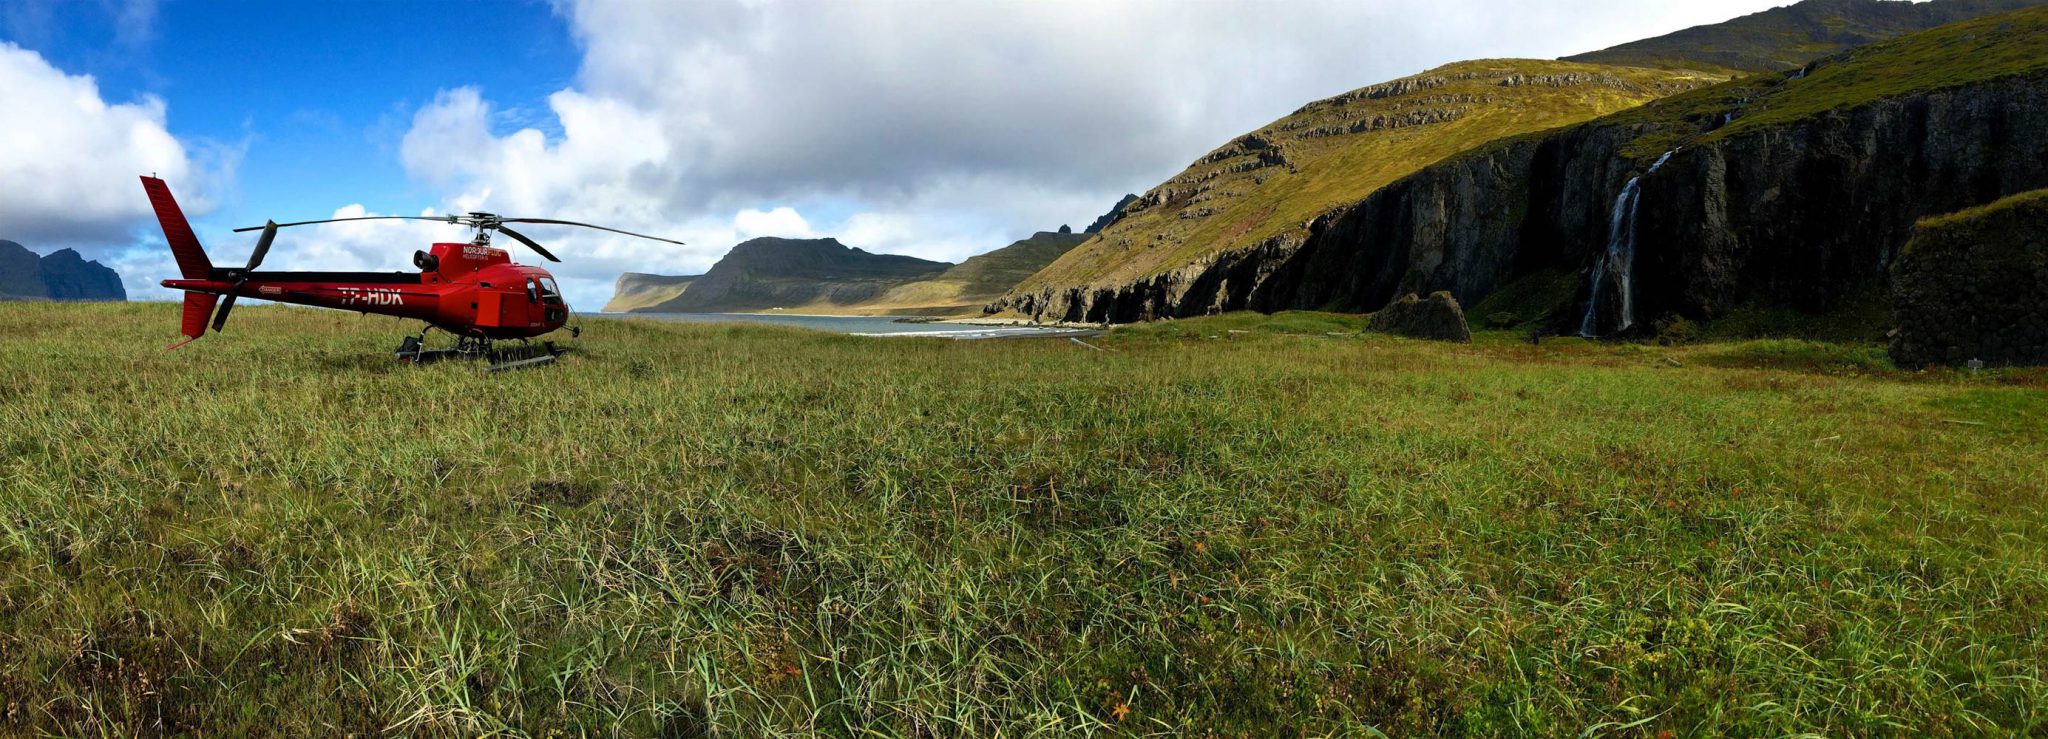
62,275
1790,36
1115,212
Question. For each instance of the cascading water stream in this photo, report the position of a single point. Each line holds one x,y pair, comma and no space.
1620,256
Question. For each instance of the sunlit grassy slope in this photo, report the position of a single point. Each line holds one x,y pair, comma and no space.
1244,525
1336,151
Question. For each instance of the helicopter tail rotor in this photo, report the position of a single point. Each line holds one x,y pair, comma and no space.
220,318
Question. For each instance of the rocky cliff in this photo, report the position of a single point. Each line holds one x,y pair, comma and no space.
774,273
1266,186
62,275
1795,189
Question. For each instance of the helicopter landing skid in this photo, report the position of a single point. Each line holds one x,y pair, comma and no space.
525,354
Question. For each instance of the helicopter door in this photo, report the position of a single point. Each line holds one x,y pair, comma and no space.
535,312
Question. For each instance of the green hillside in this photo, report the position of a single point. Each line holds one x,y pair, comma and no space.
1268,183
972,283
1787,37
639,291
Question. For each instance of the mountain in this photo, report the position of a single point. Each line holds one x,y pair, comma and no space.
813,275
63,275
639,290
971,284
1261,189
796,274
1151,265
1782,38
1794,189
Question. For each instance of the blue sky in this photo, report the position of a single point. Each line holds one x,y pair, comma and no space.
317,95
936,129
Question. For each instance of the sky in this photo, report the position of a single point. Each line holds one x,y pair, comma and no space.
938,129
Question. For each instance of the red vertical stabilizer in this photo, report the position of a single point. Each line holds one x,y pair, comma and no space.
192,261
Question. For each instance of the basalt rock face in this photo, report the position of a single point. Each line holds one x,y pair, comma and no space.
1437,317
1974,286
1801,214
768,273
62,275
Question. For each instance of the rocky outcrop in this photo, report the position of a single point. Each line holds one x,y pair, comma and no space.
1799,213
1115,212
771,273
1974,286
1437,317
62,275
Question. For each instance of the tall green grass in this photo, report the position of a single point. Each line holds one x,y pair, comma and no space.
1228,527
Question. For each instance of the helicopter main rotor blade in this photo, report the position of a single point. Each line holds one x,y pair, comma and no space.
521,238
442,219
587,225
262,245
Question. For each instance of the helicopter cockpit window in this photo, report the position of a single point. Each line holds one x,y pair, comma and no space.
548,293
532,295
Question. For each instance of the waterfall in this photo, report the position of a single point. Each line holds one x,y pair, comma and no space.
1620,256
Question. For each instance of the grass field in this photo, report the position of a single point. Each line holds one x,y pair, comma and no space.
1232,526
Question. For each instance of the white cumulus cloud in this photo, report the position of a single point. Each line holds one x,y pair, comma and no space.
69,159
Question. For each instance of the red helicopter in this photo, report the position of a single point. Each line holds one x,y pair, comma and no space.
471,290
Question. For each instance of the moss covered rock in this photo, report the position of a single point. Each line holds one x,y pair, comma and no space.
1436,317
1974,285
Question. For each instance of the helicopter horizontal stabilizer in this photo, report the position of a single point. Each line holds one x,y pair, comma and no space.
198,310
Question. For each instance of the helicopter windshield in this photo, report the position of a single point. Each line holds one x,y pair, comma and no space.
548,293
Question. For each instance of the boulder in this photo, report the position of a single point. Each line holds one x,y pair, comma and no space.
1436,317
1973,286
